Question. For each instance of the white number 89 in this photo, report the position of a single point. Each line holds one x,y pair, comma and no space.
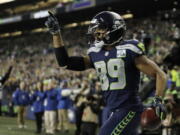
114,68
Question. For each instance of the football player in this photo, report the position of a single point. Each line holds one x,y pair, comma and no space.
118,64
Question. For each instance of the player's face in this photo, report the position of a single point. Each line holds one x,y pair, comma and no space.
99,34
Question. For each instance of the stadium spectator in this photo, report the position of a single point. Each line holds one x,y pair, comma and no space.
98,95
50,107
63,106
79,99
21,100
37,99
91,108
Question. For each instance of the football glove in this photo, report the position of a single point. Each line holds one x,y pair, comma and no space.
52,24
160,107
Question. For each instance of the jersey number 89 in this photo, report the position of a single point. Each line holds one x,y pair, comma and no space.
114,68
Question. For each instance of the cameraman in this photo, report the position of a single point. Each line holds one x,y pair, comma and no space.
91,110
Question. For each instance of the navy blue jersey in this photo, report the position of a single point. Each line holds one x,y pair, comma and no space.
118,75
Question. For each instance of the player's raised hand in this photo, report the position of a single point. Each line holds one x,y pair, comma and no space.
52,24
160,108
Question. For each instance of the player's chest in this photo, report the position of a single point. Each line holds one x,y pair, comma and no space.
111,67
110,58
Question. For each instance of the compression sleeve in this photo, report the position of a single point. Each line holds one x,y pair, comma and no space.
71,63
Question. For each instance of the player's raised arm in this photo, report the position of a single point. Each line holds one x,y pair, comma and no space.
71,63
148,67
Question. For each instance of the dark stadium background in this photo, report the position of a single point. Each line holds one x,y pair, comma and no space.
69,12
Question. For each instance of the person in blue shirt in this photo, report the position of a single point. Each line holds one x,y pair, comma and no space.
37,99
50,106
118,63
63,106
21,99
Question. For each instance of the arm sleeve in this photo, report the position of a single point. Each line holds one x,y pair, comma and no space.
27,98
71,63
32,97
138,49
142,48
66,92
133,48
14,96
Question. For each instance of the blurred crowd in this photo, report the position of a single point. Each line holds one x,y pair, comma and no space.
37,81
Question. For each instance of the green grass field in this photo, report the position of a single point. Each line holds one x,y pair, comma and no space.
8,126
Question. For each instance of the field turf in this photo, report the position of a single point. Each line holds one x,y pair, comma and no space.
8,126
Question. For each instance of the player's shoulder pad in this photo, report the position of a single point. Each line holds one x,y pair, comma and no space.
93,48
133,45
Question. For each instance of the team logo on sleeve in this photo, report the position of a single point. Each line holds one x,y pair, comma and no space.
141,45
121,53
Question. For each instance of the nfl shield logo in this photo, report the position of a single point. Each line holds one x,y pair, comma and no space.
121,53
